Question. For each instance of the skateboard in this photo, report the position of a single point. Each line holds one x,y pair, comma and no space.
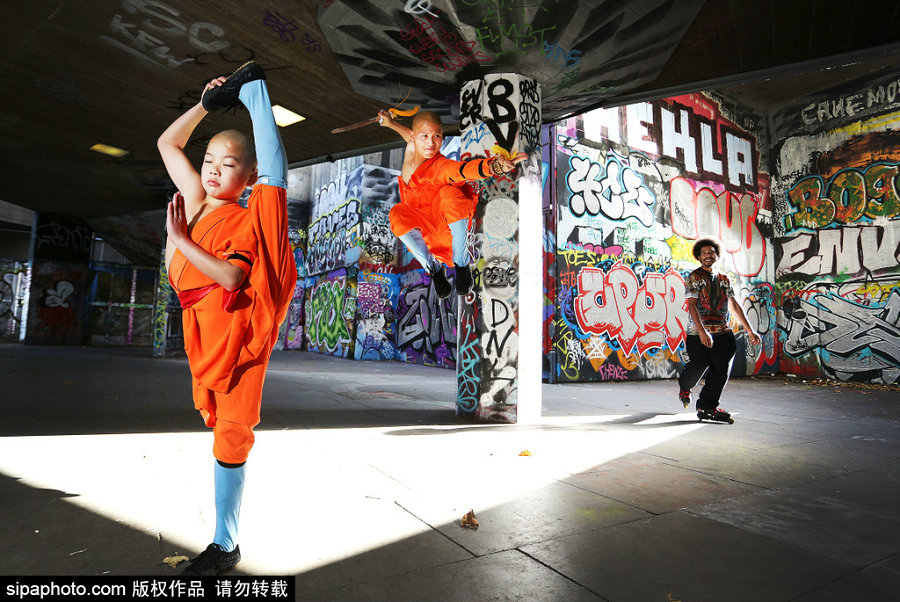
715,416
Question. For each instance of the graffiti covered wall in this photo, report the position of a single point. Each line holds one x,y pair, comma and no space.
57,297
837,233
635,187
13,284
339,231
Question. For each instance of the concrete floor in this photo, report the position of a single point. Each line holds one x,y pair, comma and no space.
361,474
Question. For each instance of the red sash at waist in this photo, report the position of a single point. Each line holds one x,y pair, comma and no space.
190,297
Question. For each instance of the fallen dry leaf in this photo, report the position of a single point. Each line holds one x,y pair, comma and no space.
174,561
469,521
525,452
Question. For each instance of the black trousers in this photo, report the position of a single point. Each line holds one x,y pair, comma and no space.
713,361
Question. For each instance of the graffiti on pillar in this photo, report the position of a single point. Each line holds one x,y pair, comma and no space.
502,110
13,283
330,311
294,321
56,312
468,372
759,304
376,321
426,324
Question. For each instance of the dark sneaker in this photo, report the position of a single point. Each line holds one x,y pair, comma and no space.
439,279
464,281
684,395
226,95
213,560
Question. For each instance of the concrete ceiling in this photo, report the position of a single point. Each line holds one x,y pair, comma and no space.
75,73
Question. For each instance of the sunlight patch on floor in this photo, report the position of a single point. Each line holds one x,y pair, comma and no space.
316,496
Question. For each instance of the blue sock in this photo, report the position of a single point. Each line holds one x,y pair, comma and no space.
416,245
270,157
229,483
460,232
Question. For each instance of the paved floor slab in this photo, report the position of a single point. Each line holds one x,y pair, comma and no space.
846,532
683,557
361,473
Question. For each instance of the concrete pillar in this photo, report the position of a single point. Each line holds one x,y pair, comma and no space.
168,338
498,365
58,292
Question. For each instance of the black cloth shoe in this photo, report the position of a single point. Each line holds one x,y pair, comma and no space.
226,95
213,560
439,279
464,281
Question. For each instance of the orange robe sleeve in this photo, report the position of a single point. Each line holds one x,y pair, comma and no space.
438,194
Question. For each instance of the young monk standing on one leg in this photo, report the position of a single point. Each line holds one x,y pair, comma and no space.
234,273
436,203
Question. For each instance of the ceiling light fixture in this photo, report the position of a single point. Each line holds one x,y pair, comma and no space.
106,149
285,117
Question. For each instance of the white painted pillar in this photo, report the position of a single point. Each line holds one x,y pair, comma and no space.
499,352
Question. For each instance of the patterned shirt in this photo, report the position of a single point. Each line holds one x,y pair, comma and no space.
712,292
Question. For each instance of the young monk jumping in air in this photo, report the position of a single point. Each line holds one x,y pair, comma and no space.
436,202
234,273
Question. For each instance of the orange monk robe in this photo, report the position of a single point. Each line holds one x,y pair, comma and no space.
228,337
438,194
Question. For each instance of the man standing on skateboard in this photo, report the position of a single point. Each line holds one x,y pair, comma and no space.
710,341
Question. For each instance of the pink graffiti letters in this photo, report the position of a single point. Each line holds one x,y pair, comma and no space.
726,216
647,315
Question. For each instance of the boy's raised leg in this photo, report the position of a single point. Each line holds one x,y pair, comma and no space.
270,155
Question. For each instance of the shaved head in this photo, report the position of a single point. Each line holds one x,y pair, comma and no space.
427,117
241,140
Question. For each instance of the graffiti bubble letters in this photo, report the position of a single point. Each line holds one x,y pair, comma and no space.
619,194
850,195
327,329
854,338
158,21
841,251
726,216
647,315
720,152
427,325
